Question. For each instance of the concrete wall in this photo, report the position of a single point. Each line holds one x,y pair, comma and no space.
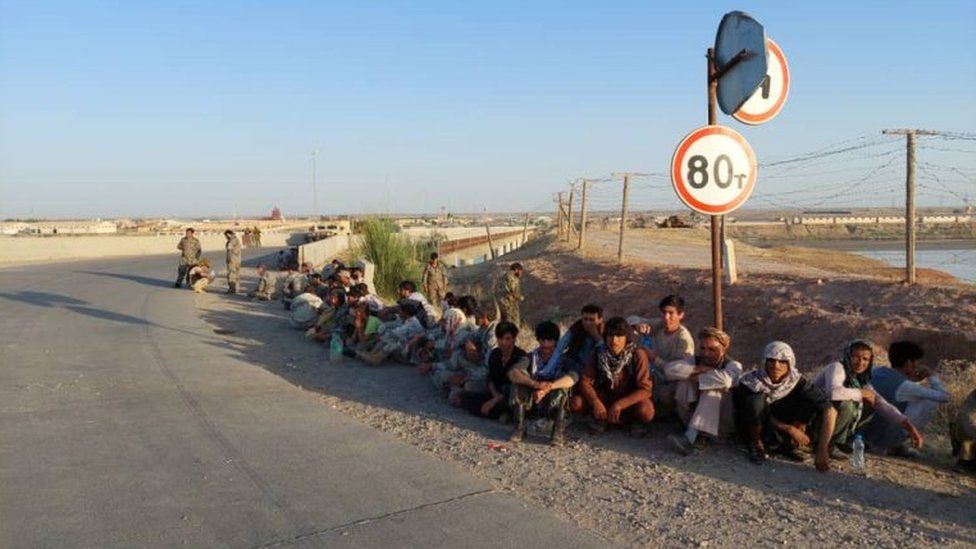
322,251
26,249
481,252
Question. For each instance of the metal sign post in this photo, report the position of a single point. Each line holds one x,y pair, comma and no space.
714,169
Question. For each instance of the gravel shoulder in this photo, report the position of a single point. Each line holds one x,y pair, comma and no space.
631,491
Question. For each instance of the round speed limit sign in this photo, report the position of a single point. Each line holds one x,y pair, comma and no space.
766,102
714,170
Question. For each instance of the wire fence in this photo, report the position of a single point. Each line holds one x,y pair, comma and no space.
865,171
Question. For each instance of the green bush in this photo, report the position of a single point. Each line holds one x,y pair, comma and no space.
394,254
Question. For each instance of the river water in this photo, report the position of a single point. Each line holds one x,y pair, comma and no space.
960,263
955,257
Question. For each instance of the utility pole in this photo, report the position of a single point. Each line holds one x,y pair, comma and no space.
623,210
623,216
491,245
555,200
315,192
909,197
559,219
569,216
582,229
525,229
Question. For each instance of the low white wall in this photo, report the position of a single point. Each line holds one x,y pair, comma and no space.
322,251
25,249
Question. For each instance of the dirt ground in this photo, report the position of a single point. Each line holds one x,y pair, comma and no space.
636,491
813,299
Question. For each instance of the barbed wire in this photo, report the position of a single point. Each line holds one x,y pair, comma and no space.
870,158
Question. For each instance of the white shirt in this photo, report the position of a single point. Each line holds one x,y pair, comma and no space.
831,381
305,307
719,379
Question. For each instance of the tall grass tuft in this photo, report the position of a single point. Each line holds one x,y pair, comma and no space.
959,377
393,253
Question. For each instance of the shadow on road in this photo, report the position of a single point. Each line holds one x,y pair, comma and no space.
42,299
160,283
110,315
262,337
45,299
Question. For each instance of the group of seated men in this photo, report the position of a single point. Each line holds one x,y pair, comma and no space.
625,372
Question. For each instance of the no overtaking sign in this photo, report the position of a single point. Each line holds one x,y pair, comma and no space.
714,170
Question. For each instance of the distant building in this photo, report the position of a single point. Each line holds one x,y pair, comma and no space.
95,226
276,214
14,227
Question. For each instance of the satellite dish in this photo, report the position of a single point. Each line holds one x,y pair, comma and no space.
740,59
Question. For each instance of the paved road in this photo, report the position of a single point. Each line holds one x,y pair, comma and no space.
124,423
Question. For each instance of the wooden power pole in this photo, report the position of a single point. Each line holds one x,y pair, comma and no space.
582,229
623,211
569,214
491,245
559,216
910,197
623,217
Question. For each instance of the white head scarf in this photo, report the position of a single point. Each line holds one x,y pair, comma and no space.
758,380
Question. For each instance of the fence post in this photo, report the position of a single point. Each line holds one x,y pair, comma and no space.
623,219
582,229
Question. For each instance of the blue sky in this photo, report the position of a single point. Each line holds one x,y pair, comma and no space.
204,108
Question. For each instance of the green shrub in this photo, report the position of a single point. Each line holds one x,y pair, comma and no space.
393,253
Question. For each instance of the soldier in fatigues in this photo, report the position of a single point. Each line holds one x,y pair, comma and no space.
200,276
235,254
189,248
509,294
267,287
435,280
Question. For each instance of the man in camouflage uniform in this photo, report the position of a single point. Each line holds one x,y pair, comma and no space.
509,294
293,286
201,275
235,253
467,367
267,287
435,280
190,250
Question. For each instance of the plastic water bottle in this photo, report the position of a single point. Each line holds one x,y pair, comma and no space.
335,348
857,459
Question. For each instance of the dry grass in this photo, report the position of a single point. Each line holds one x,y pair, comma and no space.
959,377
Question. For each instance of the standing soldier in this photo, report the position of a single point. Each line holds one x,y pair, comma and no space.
189,248
435,280
234,255
509,294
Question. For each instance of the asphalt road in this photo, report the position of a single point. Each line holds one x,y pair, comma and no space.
123,422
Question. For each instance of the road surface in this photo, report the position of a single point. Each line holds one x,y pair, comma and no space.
126,421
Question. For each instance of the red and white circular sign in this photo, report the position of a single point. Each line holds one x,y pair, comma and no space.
769,98
714,170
